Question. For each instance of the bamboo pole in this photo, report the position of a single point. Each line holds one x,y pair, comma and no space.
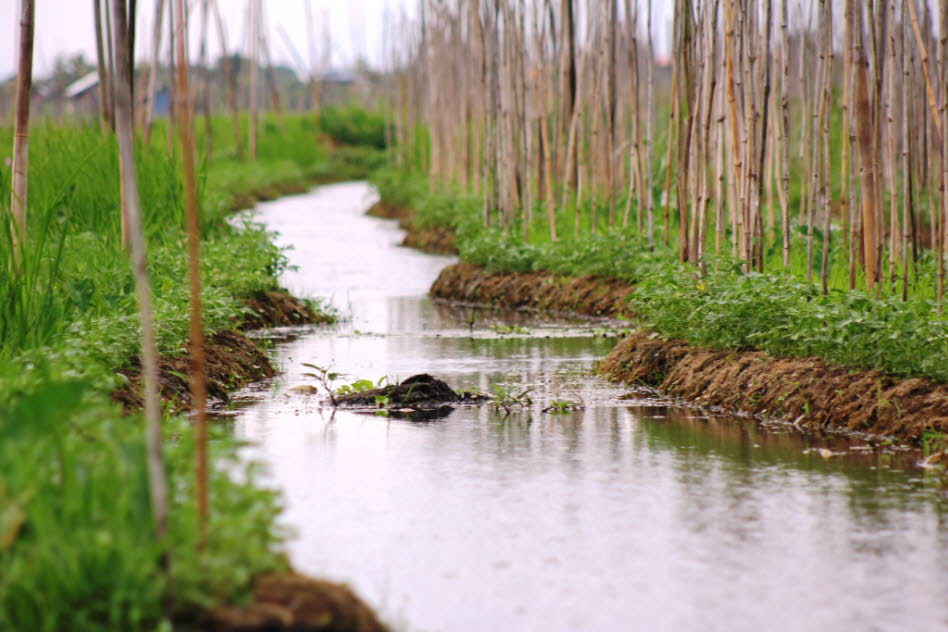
732,104
105,100
153,68
784,140
252,23
230,83
825,106
923,54
943,232
21,129
864,126
198,379
906,165
139,259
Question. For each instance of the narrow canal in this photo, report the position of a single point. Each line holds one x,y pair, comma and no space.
628,514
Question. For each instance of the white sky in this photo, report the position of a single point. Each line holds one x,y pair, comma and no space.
65,27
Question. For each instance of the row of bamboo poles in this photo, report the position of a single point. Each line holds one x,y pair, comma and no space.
255,50
767,120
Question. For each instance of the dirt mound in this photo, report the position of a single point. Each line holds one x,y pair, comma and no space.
805,391
419,391
232,359
439,240
591,296
436,241
288,601
387,210
280,309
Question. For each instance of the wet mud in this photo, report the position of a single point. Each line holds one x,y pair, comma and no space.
540,291
290,601
806,392
233,360
420,397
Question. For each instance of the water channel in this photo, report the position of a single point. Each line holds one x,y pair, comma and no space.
630,514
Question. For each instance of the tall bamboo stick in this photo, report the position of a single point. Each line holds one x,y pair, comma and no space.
230,82
21,129
189,160
105,100
864,126
139,260
198,379
153,68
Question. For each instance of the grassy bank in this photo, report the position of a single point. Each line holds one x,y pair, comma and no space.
76,536
714,305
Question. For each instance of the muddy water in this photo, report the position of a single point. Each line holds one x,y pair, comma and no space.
626,515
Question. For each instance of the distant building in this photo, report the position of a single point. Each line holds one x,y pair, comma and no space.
82,97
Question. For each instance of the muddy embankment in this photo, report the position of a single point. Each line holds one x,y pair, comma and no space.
533,291
232,359
805,392
437,240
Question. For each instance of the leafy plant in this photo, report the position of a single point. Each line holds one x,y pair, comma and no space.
508,399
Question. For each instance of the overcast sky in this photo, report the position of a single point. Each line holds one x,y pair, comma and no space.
64,27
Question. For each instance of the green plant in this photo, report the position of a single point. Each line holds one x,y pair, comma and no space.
508,399
325,378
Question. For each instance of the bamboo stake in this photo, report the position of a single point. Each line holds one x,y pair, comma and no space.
105,101
252,23
21,129
230,82
139,260
906,166
825,106
784,140
943,232
204,64
732,101
867,165
198,379
153,68
923,54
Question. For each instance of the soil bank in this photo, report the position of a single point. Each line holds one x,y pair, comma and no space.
539,291
438,240
232,360
806,392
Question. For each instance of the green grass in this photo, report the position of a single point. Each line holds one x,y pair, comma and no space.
778,311
76,545
76,535
354,126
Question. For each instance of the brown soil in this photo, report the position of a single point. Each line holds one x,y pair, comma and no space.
280,309
289,601
806,391
437,240
589,296
233,360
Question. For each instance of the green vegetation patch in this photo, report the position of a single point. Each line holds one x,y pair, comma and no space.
781,312
76,536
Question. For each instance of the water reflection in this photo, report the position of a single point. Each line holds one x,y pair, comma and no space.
625,515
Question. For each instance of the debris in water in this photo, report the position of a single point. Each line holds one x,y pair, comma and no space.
420,397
